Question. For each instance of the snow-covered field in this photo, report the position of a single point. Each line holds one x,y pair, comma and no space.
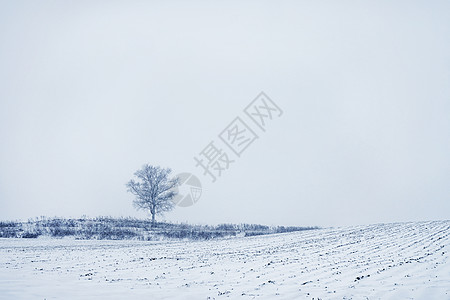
389,261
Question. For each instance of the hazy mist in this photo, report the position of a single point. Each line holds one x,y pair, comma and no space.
92,90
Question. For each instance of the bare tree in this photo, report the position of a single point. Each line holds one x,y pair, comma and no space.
153,189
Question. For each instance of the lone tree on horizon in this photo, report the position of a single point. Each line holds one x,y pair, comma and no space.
153,189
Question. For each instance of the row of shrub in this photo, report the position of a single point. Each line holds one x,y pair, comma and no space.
130,228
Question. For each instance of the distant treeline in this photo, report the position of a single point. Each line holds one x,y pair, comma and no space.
107,228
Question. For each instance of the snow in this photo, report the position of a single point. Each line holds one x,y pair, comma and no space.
383,261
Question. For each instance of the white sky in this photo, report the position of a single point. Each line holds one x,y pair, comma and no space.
91,90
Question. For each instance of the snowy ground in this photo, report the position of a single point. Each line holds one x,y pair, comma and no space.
391,261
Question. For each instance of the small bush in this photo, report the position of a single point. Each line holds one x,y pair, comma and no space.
62,231
30,235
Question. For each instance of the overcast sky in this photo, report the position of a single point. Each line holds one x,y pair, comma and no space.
92,90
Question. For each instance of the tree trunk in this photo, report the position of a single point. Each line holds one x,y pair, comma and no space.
153,219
